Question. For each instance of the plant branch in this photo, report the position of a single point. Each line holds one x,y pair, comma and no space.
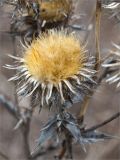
3,156
12,109
97,33
103,123
84,106
15,86
25,128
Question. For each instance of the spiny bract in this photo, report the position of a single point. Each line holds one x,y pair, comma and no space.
115,75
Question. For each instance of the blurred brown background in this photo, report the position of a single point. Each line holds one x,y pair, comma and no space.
103,104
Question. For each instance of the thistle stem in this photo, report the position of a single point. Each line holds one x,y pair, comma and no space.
84,106
83,109
97,33
15,84
103,123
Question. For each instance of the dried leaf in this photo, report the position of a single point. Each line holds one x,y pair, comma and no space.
95,136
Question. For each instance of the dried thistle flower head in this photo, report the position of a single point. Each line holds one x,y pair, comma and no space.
32,17
48,10
55,10
55,67
115,75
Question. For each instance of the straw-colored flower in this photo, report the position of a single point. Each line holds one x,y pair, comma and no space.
53,11
114,77
55,67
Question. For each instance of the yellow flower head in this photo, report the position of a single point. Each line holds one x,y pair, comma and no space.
55,62
55,10
54,57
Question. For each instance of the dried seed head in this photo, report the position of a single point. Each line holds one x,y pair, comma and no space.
114,77
55,10
38,16
54,57
54,64
51,11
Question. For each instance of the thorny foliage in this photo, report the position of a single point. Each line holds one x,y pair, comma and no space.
113,7
63,126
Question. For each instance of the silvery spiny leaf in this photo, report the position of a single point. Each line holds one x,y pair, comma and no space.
74,130
49,131
95,136
71,125
59,123
63,122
